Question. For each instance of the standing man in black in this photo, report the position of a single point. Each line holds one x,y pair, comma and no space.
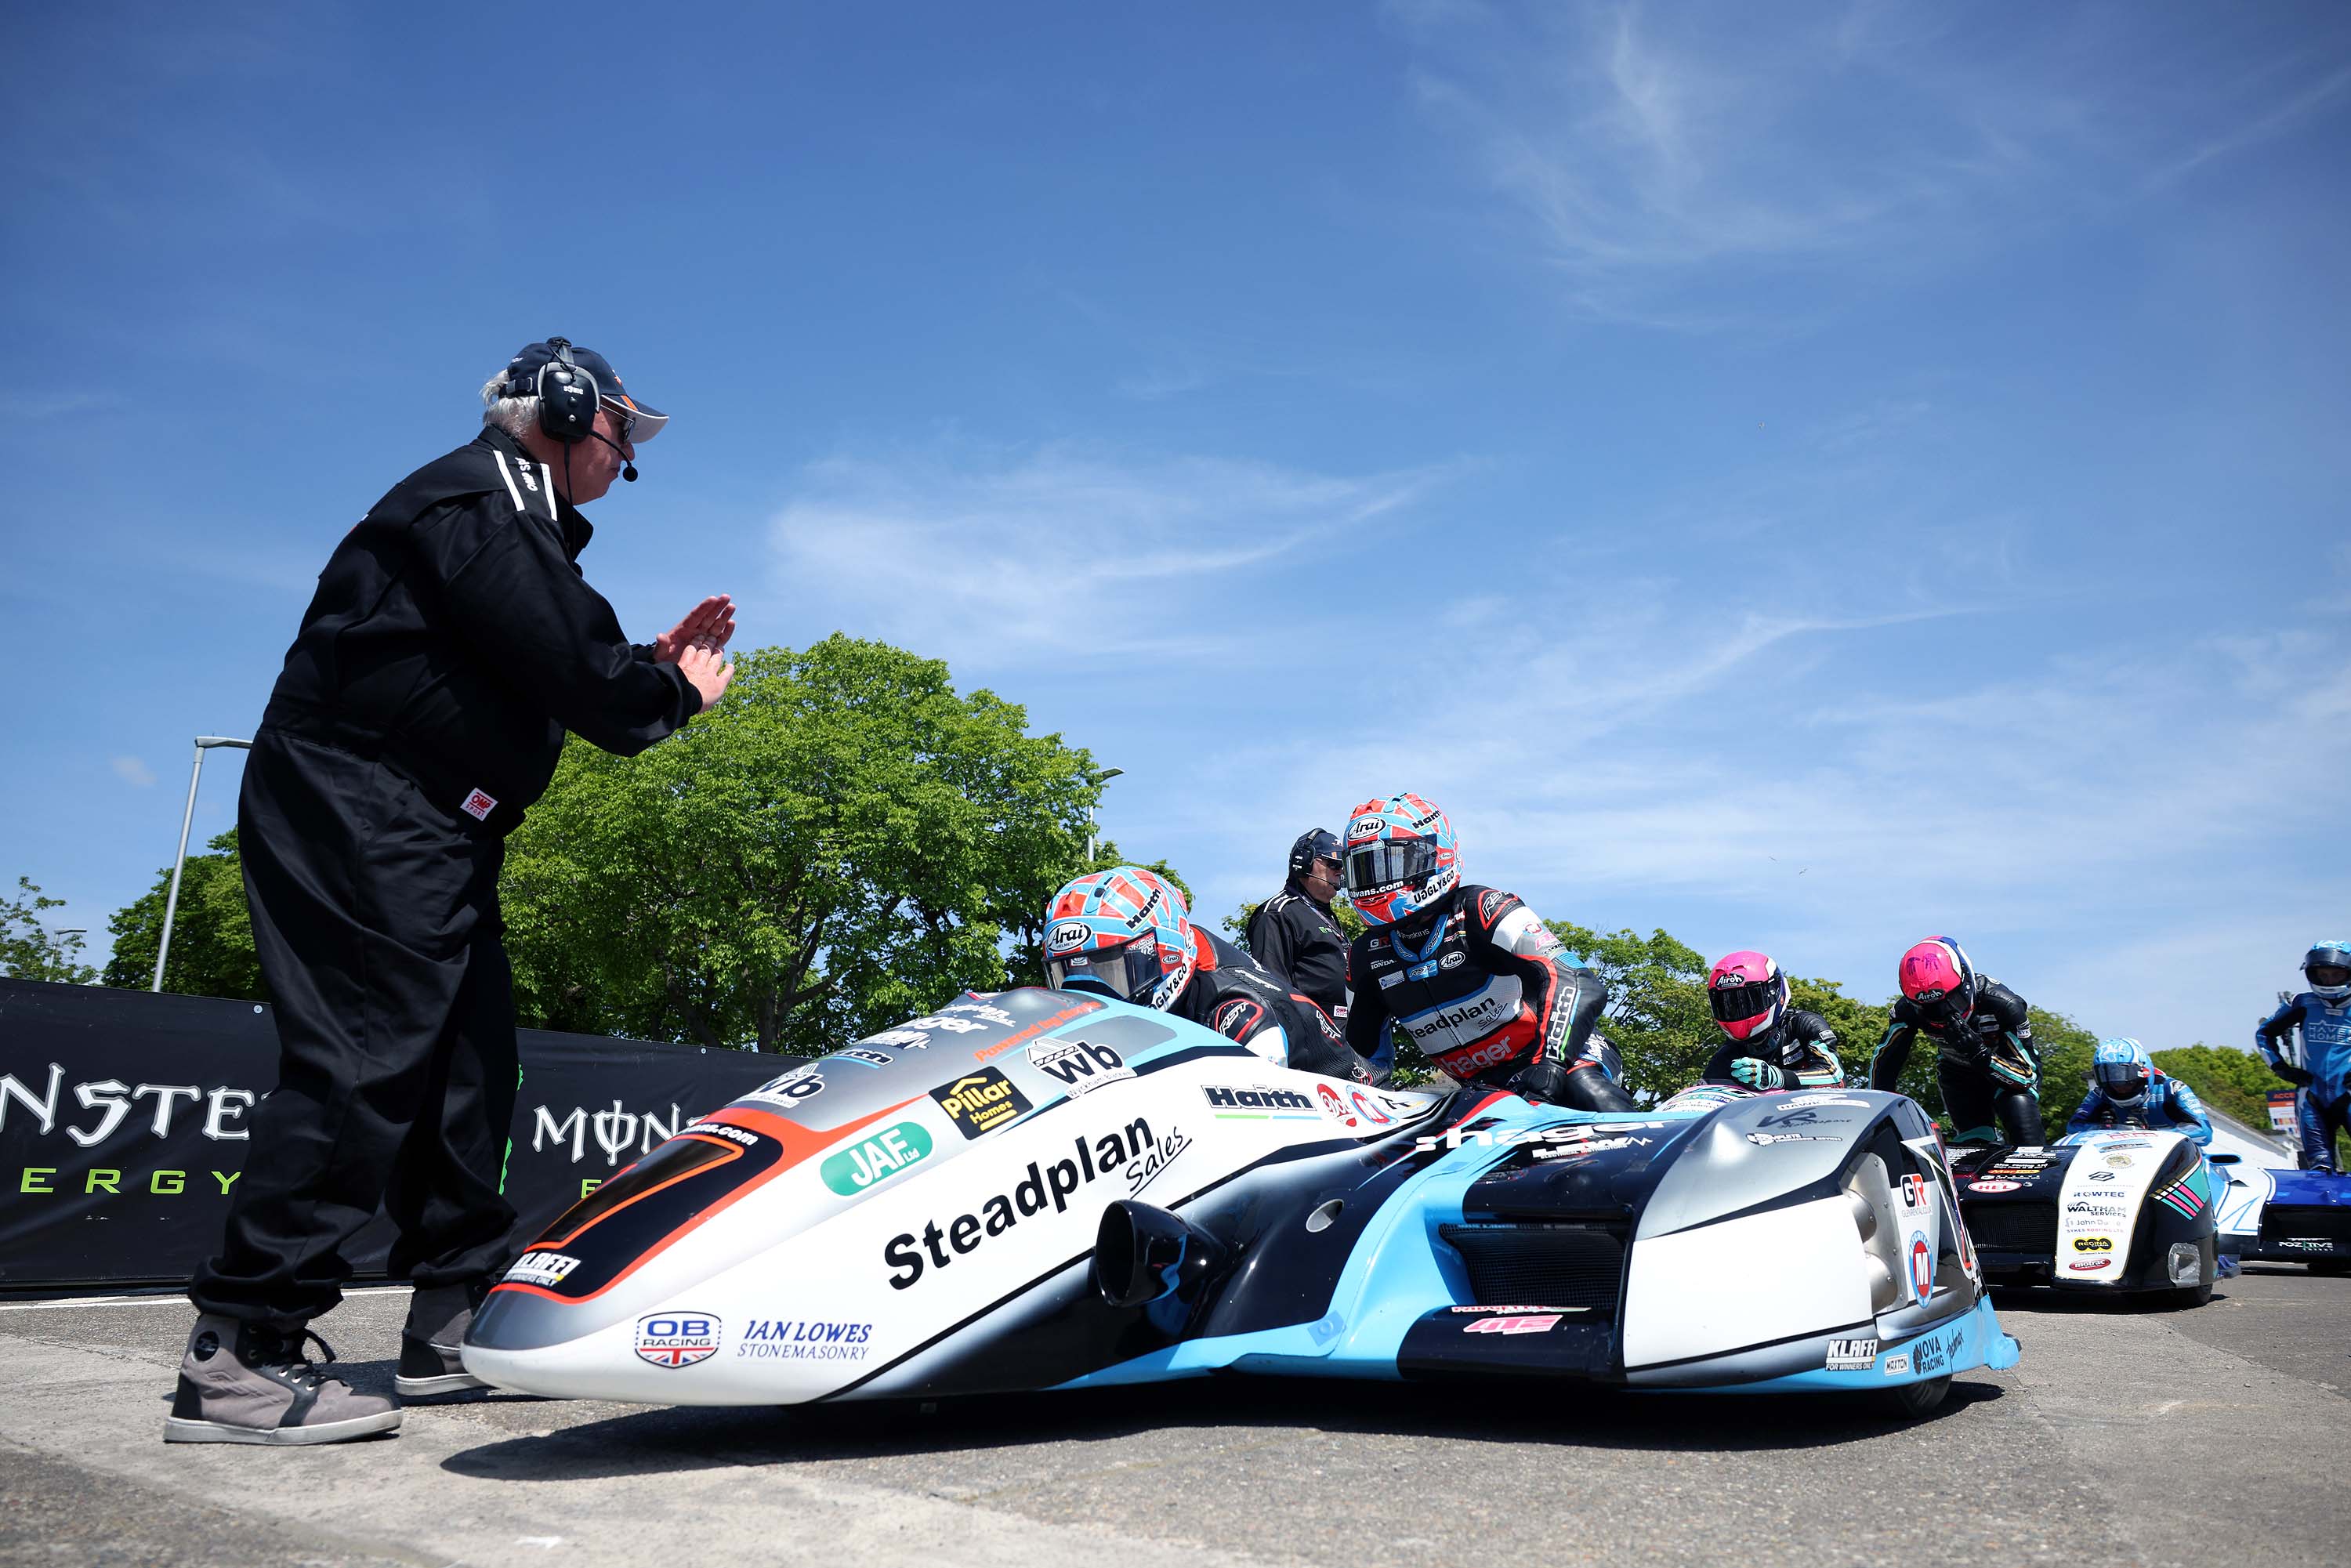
451,645
1294,934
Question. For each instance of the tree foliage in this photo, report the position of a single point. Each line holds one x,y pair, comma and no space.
843,842
212,932
29,950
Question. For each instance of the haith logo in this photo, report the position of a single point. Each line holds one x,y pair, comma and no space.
980,1101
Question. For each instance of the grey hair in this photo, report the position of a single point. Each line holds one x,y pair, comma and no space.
517,416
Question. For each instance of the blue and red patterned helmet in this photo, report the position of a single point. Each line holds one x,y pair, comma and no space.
1123,932
1401,857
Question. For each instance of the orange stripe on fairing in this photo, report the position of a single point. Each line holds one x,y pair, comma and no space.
734,1153
1034,1030
799,1143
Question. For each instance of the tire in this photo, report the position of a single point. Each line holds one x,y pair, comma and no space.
1913,1401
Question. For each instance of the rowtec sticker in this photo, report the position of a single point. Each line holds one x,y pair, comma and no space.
1994,1186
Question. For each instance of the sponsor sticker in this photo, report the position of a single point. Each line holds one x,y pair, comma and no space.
1145,1169
1538,1324
1079,1066
1450,961
979,1102
1046,1187
1995,1187
2104,1175
2089,1266
1560,1310
1067,935
876,1158
541,1269
803,1339
1914,1190
1257,1102
2120,1162
1797,1101
1852,1355
2093,1244
727,1129
1768,1139
1922,1266
1896,1365
676,1339
801,1083
862,1057
478,805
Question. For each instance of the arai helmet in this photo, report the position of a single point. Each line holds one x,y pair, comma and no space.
1123,932
1748,994
2121,1070
1937,976
2327,967
1401,857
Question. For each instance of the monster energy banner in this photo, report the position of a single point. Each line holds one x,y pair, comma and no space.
125,1119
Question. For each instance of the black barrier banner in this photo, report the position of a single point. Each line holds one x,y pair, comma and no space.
125,1119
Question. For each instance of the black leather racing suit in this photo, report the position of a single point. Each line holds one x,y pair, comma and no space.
1229,992
1801,1046
1489,995
1987,1063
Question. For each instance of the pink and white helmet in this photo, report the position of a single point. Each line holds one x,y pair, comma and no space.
1747,993
1937,976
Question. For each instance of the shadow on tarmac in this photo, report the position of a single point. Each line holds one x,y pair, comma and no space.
681,1438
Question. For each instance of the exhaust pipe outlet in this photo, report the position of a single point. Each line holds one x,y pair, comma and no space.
1143,1255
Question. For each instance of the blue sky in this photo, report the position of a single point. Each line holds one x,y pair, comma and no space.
1805,477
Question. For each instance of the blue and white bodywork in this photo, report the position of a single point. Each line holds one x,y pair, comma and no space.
1041,1190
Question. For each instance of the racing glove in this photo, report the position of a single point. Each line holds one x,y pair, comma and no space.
2300,1077
1545,1081
1757,1074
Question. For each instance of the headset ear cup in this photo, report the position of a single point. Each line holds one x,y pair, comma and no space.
567,403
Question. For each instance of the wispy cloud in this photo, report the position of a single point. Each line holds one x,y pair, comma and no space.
1648,152
992,556
133,771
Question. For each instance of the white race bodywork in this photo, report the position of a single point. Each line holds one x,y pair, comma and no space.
2097,1209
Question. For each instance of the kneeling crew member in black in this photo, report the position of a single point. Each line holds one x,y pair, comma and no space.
1469,973
450,646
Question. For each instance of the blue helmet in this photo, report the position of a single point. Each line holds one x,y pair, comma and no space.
2327,967
2121,1070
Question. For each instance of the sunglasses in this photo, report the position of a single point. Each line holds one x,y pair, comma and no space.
623,424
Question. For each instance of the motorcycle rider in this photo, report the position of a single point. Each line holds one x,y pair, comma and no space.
1469,973
2322,1077
1773,1044
2127,1087
1125,933
1986,1060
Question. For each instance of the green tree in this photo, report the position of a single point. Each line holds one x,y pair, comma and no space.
29,950
843,842
211,931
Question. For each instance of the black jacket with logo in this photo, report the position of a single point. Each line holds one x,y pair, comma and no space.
1300,942
454,637
1998,1028
1230,993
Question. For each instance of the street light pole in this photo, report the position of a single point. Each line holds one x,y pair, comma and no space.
171,901
1093,812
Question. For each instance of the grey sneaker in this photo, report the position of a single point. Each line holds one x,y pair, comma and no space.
248,1383
430,1366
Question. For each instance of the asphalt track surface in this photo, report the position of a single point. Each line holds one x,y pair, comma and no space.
2124,1437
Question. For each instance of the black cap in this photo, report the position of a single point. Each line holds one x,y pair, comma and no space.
1313,845
522,380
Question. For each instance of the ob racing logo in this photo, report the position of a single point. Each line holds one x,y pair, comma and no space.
910,1255
676,1339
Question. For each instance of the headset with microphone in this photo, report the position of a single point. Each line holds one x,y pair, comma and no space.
568,399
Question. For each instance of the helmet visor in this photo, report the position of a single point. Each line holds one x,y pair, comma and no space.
1377,865
1732,1004
2329,975
1130,971
2125,1080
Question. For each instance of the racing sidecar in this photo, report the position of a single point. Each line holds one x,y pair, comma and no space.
1033,1190
2118,1212
2287,1217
